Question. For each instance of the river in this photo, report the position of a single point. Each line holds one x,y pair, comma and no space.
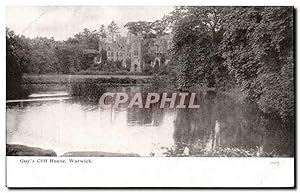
68,118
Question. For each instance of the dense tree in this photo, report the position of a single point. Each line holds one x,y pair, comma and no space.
197,36
113,30
102,33
87,37
17,58
249,47
43,58
71,58
258,48
103,55
143,28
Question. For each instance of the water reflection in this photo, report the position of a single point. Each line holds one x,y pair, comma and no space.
79,124
221,123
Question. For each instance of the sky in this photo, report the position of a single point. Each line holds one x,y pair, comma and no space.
62,22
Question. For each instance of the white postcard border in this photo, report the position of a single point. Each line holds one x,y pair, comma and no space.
151,172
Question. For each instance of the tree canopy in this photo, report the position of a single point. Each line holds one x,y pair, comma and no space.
250,48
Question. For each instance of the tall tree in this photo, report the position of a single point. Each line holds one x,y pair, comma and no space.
197,35
17,57
43,57
87,37
71,58
113,30
143,28
102,33
258,48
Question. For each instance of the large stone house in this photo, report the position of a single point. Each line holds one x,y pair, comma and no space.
162,46
128,50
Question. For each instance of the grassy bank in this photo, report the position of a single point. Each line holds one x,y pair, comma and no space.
22,150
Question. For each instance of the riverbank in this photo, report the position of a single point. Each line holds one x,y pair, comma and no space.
67,79
22,150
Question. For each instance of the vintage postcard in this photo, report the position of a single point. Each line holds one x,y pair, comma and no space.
131,95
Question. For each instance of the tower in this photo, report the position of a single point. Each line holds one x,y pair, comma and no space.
136,54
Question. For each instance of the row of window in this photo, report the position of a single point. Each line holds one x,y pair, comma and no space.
112,54
159,49
120,54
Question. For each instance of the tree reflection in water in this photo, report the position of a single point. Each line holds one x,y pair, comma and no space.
222,127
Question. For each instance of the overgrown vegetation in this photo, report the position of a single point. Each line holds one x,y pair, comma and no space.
250,48
17,56
178,151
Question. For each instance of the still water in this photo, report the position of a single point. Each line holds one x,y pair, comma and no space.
68,118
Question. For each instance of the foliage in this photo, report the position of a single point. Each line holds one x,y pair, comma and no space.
196,39
258,50
177,151
102,32
43,58
17,58
71,58
148,69
103,55
246,47
89,38
143,28
113,30
47,56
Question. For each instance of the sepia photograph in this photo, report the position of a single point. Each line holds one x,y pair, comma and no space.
150,81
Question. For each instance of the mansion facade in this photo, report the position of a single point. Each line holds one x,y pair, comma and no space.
128,50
